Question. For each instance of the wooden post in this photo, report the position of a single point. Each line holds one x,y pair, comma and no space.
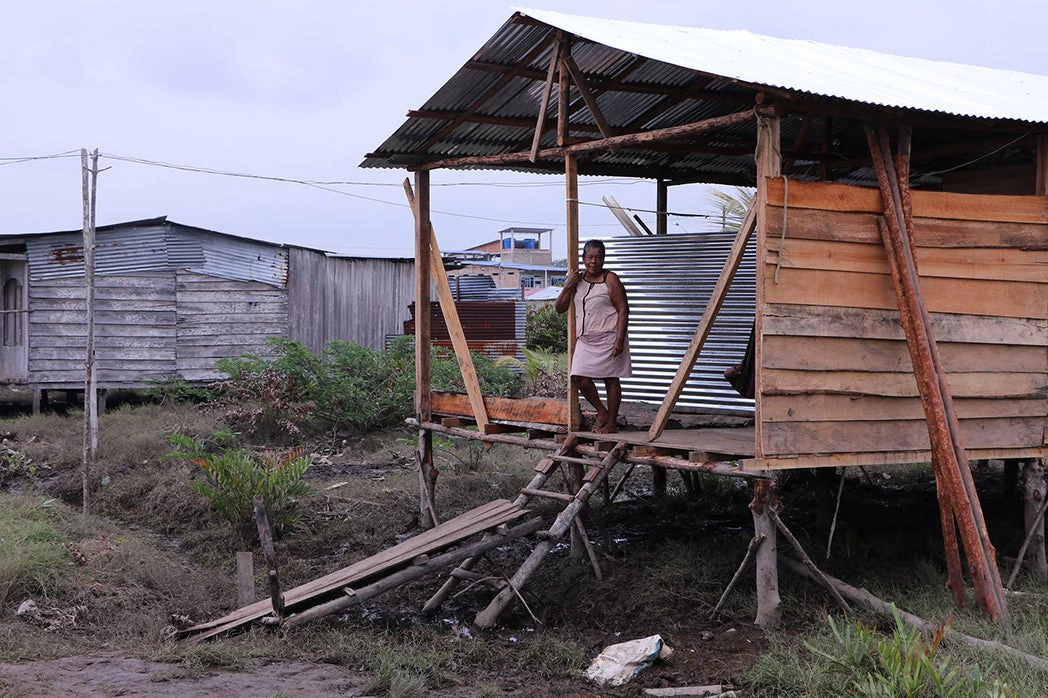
265,537
454,325
769,165
89,177
661,205
1034,492
769,605
245,578
1041,187
423,373
571,180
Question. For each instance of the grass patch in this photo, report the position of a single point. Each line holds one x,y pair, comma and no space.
33,556
552,657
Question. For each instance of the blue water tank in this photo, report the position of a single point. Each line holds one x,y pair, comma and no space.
507,243
530,243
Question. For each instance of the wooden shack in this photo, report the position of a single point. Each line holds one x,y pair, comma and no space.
900,228
171,299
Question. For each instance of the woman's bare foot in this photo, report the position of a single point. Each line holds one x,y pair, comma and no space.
601,423
607,426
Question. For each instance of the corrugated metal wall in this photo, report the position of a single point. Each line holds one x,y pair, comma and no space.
357,300
668,280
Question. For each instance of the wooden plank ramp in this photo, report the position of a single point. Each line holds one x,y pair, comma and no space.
319,590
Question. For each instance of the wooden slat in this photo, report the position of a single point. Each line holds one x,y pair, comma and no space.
838,460
1000,264
847,226
825,321
523,410
895,435
822,407
452,531
926,204
857,290
892,356
975,385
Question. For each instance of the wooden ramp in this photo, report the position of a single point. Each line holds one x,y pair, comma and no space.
386,563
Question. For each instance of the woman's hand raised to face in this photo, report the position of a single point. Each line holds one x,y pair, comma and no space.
574,276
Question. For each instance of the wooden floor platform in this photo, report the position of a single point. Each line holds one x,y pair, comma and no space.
699,444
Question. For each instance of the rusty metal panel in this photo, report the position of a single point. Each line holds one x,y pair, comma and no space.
125,250
492,328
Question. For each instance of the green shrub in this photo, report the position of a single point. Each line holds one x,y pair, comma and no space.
233,477
908,663
346,386
547,330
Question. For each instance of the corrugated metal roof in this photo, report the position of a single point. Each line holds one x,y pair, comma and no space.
647,77
855,74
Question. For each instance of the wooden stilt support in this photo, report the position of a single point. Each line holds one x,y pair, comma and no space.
427,471
769,604
1034,510
806,559
265,537
754,544
948,455
488,617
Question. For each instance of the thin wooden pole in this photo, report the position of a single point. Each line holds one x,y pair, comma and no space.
451,319
769,165
571,181
540,125
423,341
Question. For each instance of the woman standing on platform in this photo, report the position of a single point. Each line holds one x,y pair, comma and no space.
602,348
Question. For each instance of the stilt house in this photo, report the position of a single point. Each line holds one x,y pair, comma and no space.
899,232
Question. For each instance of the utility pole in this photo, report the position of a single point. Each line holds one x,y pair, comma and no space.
89,179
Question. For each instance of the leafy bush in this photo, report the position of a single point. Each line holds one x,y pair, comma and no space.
346,386
547,330
233,477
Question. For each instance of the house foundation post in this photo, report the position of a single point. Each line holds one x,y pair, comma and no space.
1034,491
769,605
427,472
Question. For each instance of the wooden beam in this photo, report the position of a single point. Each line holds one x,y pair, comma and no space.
661,206
571,180
629,139
717,296
451,320
1041,187
621,215
540,126
587,97
563,96
547,412
488,94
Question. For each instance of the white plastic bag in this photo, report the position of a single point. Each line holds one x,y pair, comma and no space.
619,663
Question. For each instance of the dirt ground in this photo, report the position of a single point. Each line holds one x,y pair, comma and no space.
632,601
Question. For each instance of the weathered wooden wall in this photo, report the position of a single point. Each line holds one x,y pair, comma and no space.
149,326
352,299
219,317
835,375
134,329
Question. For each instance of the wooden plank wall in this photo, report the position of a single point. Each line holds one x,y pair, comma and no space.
134,329
835,372
218,317
356,300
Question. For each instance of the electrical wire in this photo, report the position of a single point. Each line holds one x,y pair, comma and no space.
32,158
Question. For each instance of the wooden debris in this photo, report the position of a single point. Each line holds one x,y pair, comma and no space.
265,536
754,544
861,596
386,562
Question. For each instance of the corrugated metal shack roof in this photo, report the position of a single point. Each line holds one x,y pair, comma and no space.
646,77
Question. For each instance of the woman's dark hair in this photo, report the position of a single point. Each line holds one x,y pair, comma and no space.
594,245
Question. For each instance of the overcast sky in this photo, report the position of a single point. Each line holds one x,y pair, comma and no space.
304,89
